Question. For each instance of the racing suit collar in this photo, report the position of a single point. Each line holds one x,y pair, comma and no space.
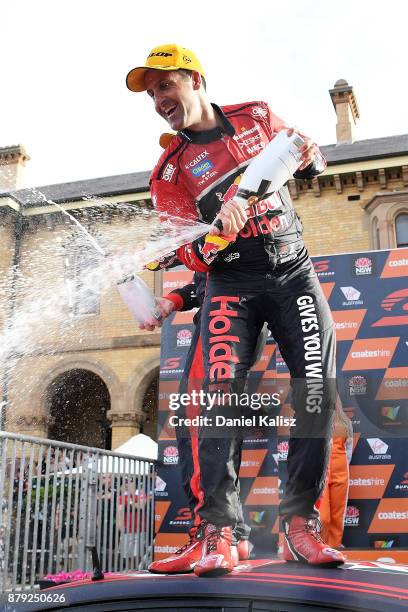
206,136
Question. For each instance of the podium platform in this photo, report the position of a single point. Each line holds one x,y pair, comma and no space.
254,586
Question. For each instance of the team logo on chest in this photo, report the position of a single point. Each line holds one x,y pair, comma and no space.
200,166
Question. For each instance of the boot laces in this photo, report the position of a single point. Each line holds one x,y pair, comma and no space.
212,540
313,527
193,535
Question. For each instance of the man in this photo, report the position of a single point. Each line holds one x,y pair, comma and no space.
258,271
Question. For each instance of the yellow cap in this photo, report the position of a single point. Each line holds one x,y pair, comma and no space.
163,57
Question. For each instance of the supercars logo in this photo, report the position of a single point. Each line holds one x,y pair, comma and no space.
322,268
171,365
397,303
183,517
403,485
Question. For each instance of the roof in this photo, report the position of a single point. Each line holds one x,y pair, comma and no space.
373,148
138,182
135,182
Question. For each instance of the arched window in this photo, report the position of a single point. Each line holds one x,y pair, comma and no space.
401,230
376,235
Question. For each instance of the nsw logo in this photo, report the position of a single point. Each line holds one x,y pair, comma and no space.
358,385
363,266
184,337
283,449
352,517
170,455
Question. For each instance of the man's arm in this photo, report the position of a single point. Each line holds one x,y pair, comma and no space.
182,299
177,207
314,162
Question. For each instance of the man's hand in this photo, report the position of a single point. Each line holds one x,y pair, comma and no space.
164,307
308,150
233,218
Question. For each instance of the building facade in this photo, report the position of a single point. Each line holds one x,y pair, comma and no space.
75,365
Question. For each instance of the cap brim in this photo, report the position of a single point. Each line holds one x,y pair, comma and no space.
135,78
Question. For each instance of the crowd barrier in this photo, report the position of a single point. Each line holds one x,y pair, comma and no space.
58,501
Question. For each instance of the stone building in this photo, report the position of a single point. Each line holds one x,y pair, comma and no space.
89,375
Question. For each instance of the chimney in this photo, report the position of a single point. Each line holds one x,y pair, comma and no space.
12,162
345,105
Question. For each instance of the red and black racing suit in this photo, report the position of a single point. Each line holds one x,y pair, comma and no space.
265,275
186,298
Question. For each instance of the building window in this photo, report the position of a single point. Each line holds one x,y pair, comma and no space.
401,230
376,235
80,260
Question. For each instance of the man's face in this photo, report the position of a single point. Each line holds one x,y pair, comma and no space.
174,95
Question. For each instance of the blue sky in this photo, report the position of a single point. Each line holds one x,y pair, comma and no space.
64,65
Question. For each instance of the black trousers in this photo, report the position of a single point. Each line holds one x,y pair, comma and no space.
291,301
188,442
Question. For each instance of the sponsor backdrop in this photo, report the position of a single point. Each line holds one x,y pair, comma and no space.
368,296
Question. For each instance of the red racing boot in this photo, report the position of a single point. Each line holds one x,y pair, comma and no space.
303,544
216,559
241,551
244,549
184,559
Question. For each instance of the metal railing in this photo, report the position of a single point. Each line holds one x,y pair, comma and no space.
58,501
